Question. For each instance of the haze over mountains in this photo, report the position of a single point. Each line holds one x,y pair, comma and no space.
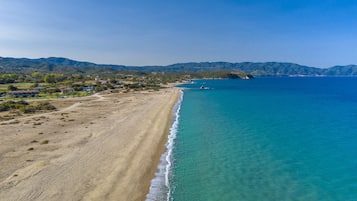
58,64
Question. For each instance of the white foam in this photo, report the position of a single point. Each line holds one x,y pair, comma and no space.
160,185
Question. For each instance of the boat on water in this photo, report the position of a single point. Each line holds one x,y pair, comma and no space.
202,87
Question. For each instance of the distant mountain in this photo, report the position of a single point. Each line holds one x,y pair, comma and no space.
58,64
53,64
60,61
267,68
348,70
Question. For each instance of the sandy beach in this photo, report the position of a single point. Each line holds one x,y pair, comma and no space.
103,147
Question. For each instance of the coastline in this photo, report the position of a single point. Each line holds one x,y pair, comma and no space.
103,148
160,188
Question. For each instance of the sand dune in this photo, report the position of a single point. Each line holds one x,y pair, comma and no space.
100,148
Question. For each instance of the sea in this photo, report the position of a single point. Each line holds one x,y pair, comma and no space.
262,139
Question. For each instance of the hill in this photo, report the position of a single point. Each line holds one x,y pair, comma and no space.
58,64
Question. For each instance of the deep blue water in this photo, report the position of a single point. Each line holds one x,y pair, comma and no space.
270,139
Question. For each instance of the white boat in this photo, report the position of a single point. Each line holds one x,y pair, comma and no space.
203,87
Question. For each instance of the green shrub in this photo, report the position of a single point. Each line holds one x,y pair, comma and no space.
4,108
12,105
11,88
45,106
28,109
24,106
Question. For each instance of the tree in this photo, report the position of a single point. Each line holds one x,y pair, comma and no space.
49,78
12,88
68,83
8,78
37,76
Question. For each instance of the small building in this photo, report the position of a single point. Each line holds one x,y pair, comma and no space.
118,86
22,93
67,90
39,88
88,89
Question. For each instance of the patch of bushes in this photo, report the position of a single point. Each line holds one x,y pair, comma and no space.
25,107
8,105
4,108
28,109
45,106
100,88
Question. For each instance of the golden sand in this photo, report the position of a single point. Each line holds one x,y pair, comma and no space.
104,147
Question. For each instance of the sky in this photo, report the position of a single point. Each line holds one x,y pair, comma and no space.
317,33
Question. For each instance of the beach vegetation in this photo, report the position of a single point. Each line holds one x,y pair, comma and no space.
28,109
25,107
45,105
11,88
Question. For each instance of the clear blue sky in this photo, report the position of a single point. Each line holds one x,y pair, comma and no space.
152,32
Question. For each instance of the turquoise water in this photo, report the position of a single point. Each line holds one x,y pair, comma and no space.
270,139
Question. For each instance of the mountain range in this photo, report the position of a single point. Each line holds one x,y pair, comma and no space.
59,64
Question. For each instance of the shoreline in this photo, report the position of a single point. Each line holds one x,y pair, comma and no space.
107,148
162,145
160,188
